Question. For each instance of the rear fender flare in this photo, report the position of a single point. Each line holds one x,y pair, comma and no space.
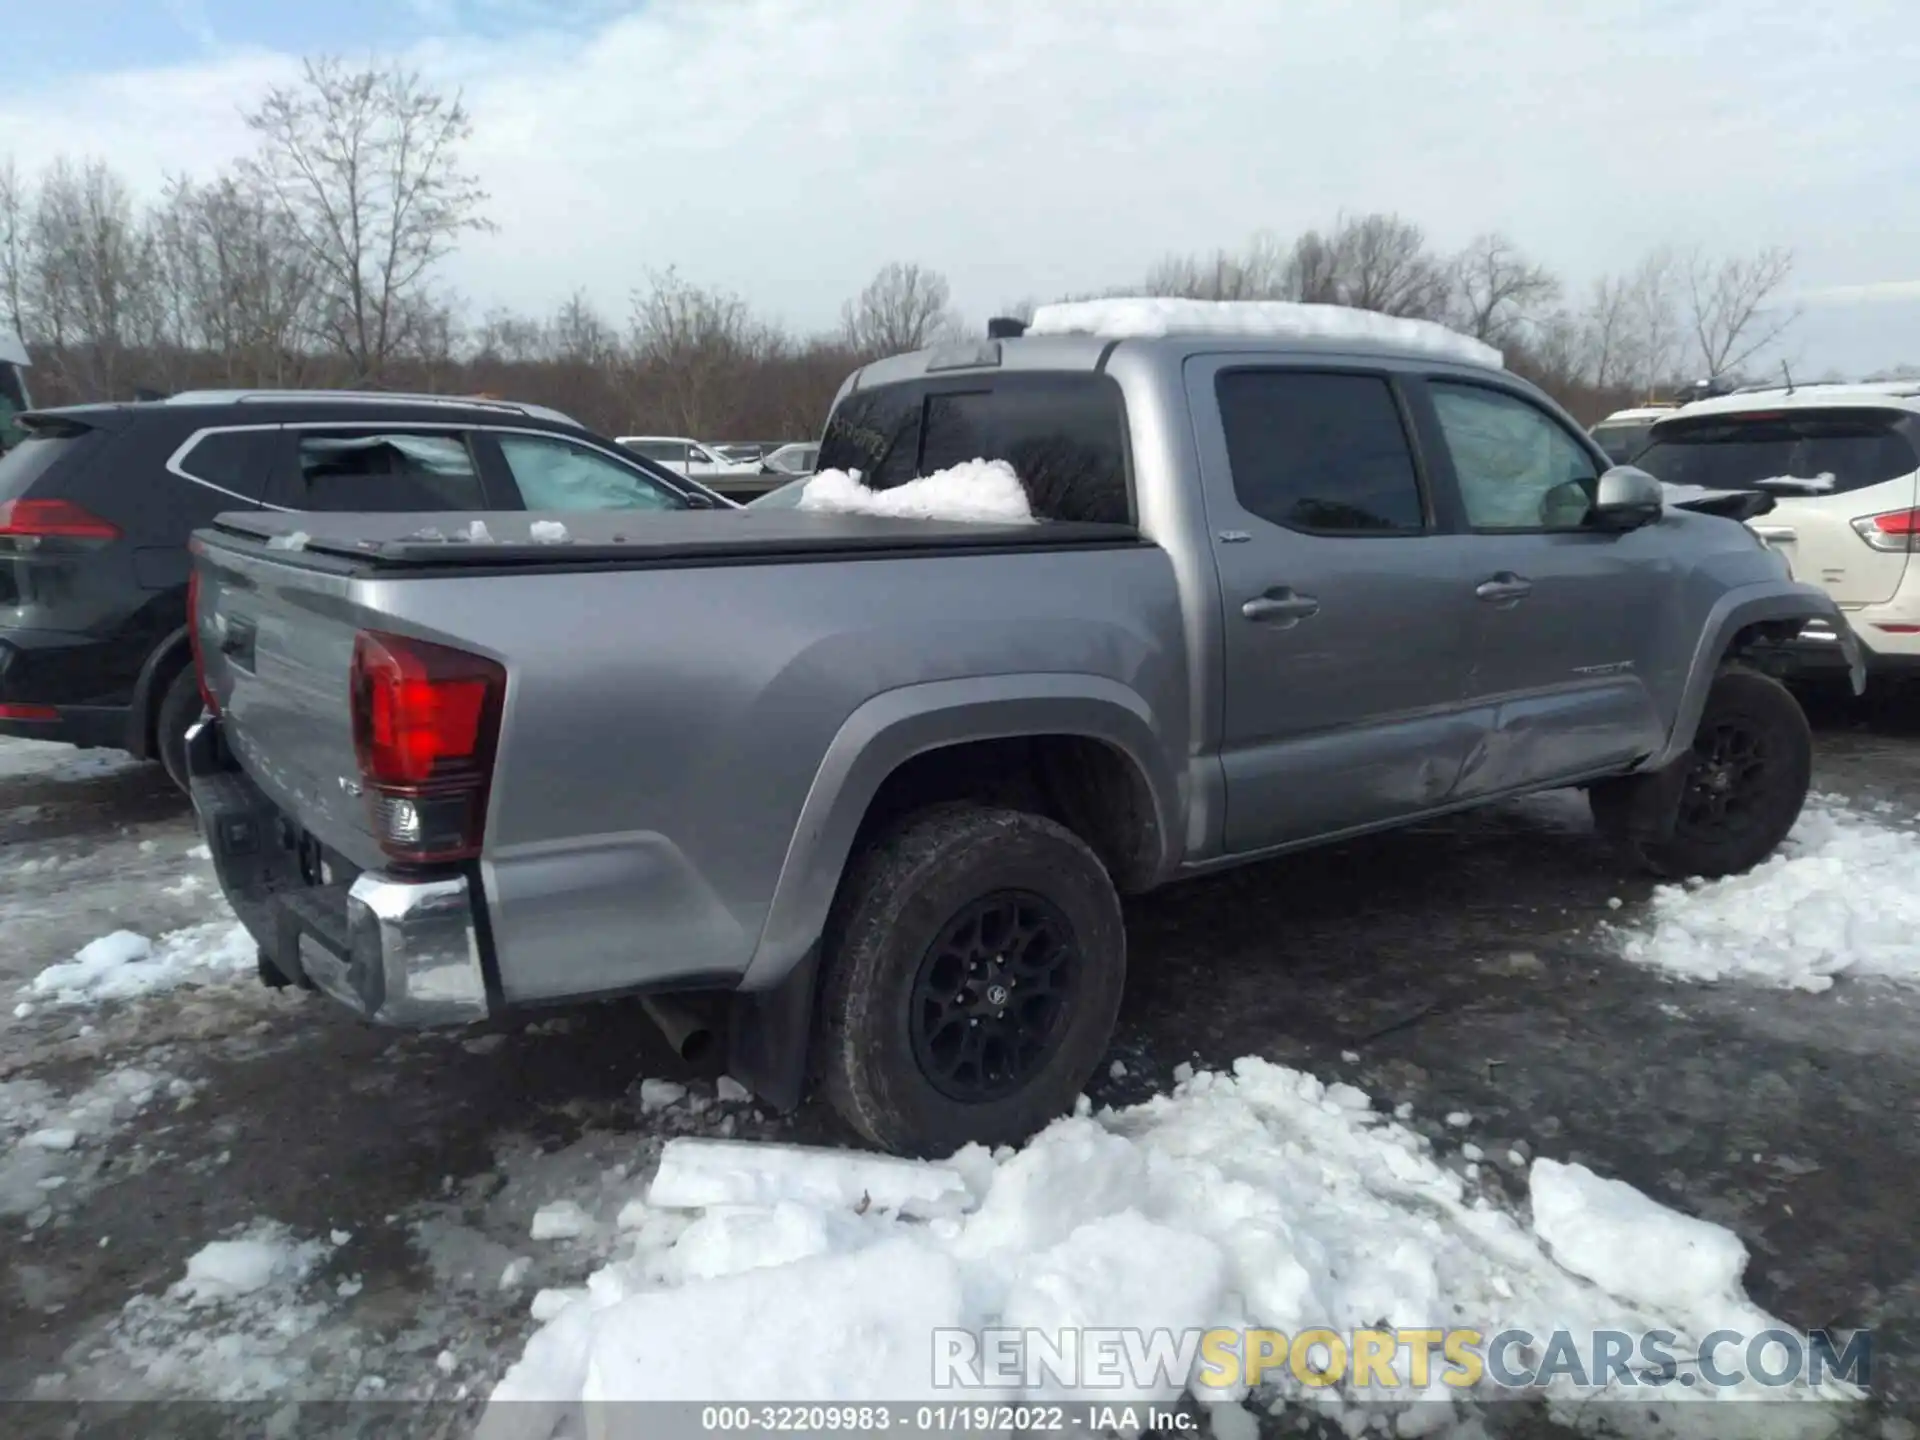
892,728
1732,613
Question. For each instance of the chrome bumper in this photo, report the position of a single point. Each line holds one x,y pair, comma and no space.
413,956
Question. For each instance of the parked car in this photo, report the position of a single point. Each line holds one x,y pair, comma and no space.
1286,590
1842,463
736,479
792,460
97,503
1623,434
744,451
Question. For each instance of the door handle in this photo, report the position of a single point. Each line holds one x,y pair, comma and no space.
1504,589
1281,604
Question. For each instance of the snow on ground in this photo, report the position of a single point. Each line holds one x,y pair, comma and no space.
38,759
1128,318
242,1323
125,964
1838,898
1258,1198
978,490
49,1146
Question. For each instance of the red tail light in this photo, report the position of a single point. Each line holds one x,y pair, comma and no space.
425,721
1896,530
28,712
193,642
53,520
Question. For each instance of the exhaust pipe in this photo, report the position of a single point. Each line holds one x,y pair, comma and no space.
689,1035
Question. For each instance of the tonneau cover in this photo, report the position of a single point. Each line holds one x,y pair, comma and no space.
611,537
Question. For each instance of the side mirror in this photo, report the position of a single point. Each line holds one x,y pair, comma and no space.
1626,498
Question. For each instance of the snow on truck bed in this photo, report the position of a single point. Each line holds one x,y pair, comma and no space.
1129,319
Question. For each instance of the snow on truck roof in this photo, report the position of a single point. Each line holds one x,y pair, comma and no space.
1144,317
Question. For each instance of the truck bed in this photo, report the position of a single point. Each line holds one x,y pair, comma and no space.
621,540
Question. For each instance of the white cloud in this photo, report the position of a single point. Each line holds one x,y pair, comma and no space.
787,148
1876,293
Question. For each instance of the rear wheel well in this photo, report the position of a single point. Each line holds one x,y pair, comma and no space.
174,658
1090,786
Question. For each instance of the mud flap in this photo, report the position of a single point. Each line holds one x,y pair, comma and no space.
769,1035
1643,807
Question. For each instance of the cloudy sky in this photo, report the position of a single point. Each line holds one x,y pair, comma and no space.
785,149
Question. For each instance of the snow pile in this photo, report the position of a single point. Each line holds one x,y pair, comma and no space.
292,540
1838,897
1128,319
123,965
233,1327
1810,484
978,490
1258,1198
227,1269
548,532
44,760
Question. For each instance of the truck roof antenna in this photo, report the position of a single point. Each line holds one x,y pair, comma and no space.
1005,327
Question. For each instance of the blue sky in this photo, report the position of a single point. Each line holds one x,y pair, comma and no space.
786,149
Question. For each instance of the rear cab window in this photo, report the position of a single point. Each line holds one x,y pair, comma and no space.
1064,435
1832,451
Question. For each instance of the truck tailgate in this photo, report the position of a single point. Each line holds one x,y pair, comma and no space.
276,633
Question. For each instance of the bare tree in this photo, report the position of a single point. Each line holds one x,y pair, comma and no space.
1730,314
1386,267
1312,273
903,308
1656,347
692,349
88,293
364,164
1259,273
237,284
1497,291
13,247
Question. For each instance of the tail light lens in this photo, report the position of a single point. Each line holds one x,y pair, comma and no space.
193,642
1897,531
425,721
28,522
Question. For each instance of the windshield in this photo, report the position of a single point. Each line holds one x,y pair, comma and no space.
1828,451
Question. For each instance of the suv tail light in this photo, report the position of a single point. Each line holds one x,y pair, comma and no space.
1897,531
35,520
425,721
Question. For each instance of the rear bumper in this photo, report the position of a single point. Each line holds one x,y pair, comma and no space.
66,673
397,950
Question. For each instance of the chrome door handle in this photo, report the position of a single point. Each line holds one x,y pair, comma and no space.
1504,588
1281,604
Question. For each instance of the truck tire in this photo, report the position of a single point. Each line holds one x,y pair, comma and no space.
975,959
1744,782
180,706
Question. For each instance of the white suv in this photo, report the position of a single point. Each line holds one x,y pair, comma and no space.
1843,464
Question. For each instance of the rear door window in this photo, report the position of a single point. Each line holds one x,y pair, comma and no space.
1063,435
1323,452
387,470
1829,451
556,474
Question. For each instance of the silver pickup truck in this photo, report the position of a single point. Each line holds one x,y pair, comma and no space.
861,794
